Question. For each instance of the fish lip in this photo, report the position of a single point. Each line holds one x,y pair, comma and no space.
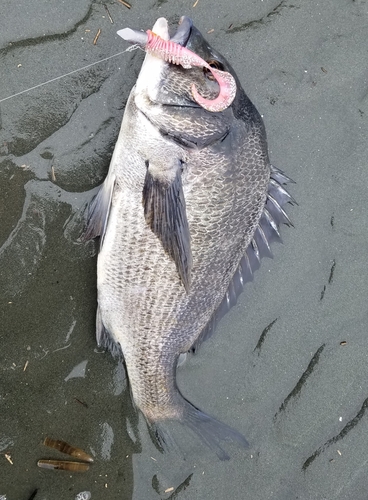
181,36
189,105
183,32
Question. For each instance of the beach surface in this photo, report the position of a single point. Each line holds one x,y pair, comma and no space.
288,366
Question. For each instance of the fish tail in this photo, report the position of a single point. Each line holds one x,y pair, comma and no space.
210,431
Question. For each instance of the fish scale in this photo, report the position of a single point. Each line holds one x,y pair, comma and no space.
187,210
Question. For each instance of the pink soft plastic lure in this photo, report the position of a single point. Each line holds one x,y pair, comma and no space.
177,54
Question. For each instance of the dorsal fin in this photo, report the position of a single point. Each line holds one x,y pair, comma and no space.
266,233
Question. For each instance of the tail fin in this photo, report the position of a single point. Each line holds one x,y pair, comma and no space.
211,431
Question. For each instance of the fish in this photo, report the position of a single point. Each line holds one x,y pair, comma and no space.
190,205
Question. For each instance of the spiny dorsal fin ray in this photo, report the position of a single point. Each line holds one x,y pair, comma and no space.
277,211
266,233
279,193
280,176
165,213
269,226
262,242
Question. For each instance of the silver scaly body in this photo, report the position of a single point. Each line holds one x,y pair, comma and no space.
217,168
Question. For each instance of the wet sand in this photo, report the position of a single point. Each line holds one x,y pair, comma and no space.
288,365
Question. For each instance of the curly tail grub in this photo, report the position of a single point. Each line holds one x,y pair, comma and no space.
177,54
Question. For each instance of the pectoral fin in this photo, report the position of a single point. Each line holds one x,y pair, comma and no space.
165,213
104,338
98,211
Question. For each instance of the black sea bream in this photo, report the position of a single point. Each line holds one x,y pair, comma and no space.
188,208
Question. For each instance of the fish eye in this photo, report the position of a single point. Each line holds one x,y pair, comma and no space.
214,64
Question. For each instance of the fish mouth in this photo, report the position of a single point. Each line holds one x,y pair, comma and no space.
183,32
177,50
181,36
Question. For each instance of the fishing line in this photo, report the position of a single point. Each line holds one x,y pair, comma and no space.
129,49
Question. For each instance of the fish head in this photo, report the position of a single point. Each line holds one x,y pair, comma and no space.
172,84
164,91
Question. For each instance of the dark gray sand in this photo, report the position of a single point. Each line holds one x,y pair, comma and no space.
301,396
